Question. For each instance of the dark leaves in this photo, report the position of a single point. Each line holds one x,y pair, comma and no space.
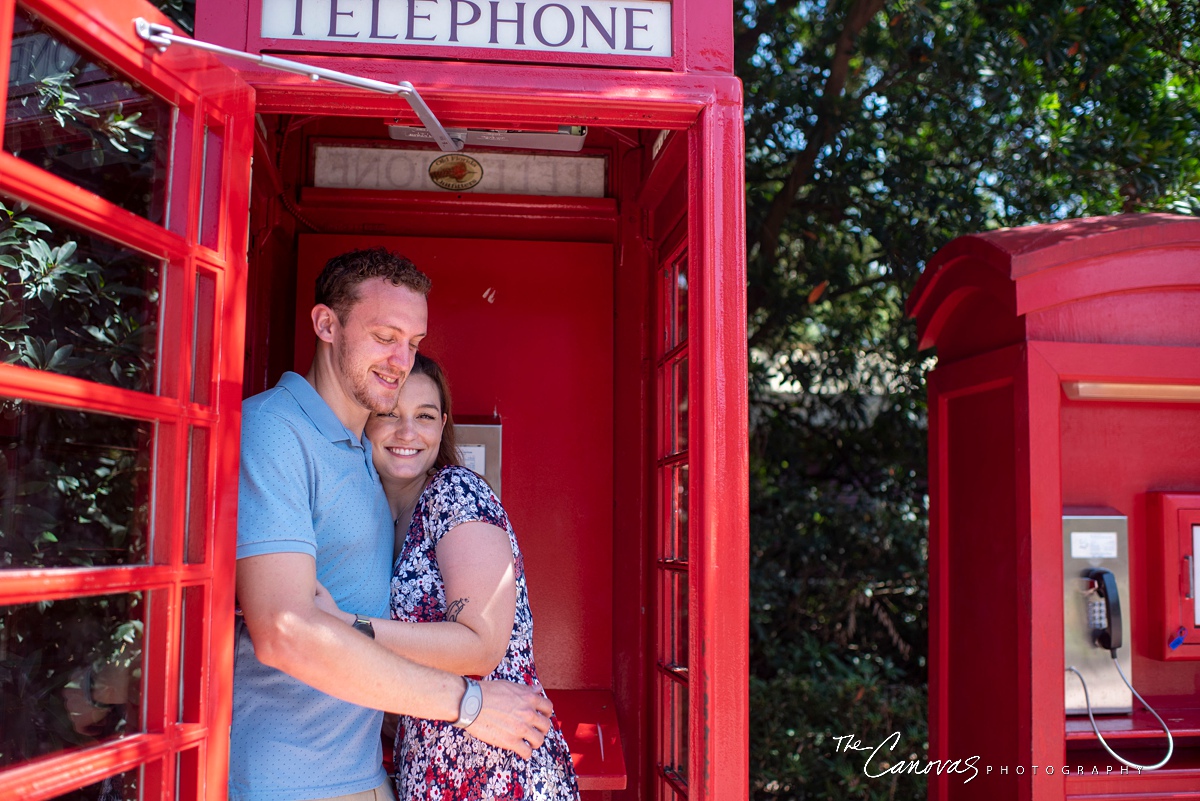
953,117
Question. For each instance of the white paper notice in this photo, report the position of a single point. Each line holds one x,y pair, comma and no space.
1093,545
474,457
1195,569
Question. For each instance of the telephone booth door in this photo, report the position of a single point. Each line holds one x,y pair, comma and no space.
124,186
580,338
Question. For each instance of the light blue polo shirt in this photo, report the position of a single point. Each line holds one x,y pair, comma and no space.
307,485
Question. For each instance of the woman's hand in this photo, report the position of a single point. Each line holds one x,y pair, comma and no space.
324,601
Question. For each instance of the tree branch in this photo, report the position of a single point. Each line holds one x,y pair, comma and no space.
801,172
746,41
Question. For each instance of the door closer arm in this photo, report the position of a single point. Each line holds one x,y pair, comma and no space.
162,37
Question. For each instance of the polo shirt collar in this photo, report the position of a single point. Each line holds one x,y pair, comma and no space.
317,409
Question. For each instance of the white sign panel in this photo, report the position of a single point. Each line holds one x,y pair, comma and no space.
1093,545
624,28
1195,570
338,167
474,457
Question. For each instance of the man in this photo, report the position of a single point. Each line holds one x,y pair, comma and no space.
310,507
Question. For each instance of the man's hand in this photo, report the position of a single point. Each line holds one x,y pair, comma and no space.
324,601
514,717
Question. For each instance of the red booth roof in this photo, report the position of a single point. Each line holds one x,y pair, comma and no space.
1033,268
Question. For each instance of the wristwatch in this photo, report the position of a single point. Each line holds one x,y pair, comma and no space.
363,624
471,704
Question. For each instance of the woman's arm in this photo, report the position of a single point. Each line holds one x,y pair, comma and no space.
481,600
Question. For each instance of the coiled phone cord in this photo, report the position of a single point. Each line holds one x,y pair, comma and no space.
1115,755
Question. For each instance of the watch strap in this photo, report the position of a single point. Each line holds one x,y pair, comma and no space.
363,624
471,704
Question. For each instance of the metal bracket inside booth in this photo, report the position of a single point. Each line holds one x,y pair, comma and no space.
162,36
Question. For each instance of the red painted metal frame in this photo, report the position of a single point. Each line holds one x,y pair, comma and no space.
992,304
668,566
702,42
214,95
1172,515
489,216
721,465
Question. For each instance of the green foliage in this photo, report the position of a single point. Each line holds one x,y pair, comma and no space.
182,11
57,96
75,484
878,130
63,311
74,487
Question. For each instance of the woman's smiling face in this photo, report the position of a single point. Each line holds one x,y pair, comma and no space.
405,441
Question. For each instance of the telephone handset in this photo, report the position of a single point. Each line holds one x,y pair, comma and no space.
1105,613
1104,618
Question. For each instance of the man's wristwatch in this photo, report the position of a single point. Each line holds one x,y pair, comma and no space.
471,704
363,624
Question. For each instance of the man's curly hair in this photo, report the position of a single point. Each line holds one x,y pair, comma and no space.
337,285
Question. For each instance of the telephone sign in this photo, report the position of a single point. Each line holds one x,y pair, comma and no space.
571,26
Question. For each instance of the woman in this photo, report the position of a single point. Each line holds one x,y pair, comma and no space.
458,601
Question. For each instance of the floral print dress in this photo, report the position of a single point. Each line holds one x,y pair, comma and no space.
435,760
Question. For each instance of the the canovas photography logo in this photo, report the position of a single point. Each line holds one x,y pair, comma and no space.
882,758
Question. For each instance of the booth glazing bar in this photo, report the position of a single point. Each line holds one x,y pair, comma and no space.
162,36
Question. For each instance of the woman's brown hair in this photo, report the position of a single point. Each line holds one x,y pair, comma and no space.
448,450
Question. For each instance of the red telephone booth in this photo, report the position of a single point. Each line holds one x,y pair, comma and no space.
586,247
1064,498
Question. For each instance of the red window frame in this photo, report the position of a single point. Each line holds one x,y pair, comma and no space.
672,587
672,580
182,749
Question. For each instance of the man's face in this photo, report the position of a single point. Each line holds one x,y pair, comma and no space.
374,346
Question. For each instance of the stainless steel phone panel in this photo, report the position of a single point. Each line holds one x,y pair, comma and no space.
1095,541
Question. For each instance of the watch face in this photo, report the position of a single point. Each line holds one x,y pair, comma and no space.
471,704
364,625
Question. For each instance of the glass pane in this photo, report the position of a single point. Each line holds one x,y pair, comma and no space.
191,654
74,487
122,787
203,337
197,505
83,122
666,618
210,188
666,435
673,742
679,510
188,774
667,311
681,732
681,300
76,304
180,180
666,537
680,655
70,673
679,401
666,723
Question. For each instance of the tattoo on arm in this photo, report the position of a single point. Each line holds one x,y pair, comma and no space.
454,609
